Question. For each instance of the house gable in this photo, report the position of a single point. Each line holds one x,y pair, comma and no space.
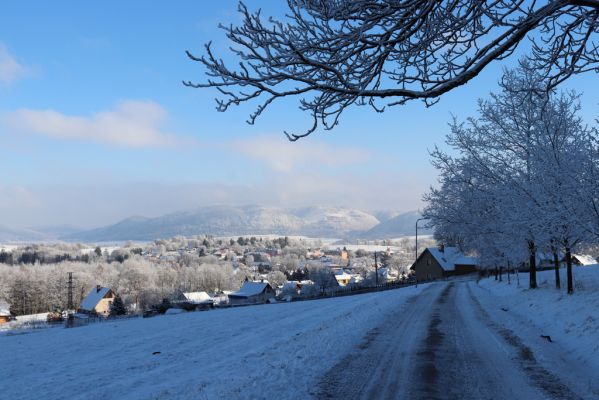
98,300
427,266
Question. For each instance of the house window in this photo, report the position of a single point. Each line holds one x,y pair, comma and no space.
428,262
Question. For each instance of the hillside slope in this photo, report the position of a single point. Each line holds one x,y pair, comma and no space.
249,352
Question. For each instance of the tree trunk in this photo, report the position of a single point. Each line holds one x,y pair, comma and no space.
556,265
500,274
532,264
509,282
569,267
496,273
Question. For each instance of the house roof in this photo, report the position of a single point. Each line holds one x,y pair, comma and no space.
93,298
585,259
4,309
197,297
250,289
450,257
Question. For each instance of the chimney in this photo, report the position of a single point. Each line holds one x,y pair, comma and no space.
442,248
98,287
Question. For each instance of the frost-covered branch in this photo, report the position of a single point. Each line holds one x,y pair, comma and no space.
336,53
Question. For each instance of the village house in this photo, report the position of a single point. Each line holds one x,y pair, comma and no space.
253,293
342,277
97,302
195,300
5,314
545,260
435,263
386,275
583,260
293,289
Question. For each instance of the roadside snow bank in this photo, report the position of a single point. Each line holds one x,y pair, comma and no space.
269,351
572,321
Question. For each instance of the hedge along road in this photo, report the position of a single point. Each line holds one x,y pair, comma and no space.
442,344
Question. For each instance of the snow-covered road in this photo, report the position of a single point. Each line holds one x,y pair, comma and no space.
445,345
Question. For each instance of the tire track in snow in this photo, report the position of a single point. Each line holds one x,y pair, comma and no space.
540,376
427,366
374,370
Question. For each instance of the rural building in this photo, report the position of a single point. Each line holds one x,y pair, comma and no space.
252,293
294,289
583,260
435,263
195,300
98,301
545,260
342,277
386,275
5,314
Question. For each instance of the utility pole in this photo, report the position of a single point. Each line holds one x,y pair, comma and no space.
70,304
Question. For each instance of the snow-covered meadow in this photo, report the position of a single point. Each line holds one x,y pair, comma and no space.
572,321
254,352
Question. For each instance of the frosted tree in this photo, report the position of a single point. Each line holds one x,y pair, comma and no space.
516,178
563,160
333,54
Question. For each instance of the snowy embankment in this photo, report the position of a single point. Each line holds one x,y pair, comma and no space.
269,351
572,321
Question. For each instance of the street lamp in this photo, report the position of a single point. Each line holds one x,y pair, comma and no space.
416,250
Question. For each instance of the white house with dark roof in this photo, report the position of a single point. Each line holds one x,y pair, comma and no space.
439,262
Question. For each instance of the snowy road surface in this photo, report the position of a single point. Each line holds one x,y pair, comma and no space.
444,345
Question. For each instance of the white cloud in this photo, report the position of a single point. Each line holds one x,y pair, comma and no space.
10,69
284,156
129,124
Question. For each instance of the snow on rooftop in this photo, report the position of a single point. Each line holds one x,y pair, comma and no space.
197,297
585,259
450,256
250,289
93,298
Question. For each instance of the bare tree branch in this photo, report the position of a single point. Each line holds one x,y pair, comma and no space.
338,53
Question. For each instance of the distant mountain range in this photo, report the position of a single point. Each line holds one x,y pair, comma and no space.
333,222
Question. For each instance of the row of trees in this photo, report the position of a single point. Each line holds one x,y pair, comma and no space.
39,288
521,178
140,282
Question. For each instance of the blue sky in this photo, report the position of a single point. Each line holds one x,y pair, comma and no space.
95,124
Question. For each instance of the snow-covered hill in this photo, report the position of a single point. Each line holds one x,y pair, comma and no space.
259,352
400,225
228,220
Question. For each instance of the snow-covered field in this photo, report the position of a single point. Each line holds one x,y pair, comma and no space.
270,351
572,321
